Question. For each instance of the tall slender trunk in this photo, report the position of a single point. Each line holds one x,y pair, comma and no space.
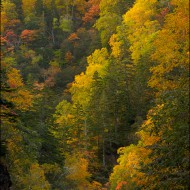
72,11
85,133
103,154
98,142
115,121
53,36
42,113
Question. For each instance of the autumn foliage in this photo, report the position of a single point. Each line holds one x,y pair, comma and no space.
95,94
28,35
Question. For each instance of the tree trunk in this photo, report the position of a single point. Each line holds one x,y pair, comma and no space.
5,181
85,134
53,37
103,154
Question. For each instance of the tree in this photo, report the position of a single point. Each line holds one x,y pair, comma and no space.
77,171
172,94
8,15
110,17
161,164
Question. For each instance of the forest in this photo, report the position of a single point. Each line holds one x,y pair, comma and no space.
94,95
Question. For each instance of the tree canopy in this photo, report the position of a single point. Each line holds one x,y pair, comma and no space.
94,94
